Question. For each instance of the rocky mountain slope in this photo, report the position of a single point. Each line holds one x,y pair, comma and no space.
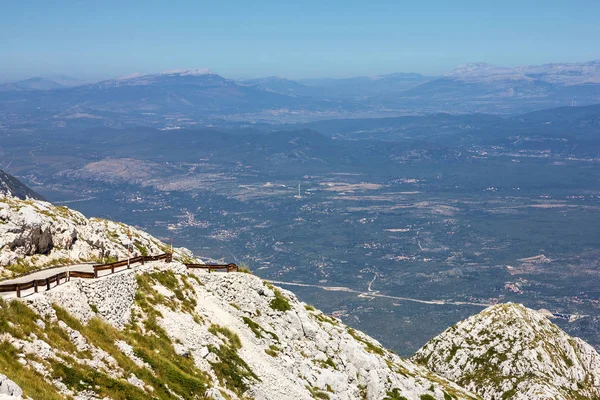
161,331
511,352
12,187
35,234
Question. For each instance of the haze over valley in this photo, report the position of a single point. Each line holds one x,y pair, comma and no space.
420,220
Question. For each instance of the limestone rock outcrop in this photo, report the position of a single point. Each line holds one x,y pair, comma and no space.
9,389
511,352
35,234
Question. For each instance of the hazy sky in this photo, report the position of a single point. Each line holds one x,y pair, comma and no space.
105,38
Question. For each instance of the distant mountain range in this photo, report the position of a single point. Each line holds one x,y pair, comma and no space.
41,83
182,98
566,74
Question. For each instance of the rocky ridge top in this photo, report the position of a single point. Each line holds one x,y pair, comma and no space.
511,352
35,234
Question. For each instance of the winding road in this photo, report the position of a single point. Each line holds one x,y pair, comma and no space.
377,294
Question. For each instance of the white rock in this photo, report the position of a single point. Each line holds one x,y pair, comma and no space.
508,344
9,389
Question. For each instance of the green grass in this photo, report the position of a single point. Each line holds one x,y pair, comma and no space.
329,363
273,350
170,375
370,347
231,338
21,267
394,394
148,298
78,376
231,370
113,236
33,384
81,377
22,325
320,316
324,318
280,302
243,267
259,330
317,394
141,248
254,327
154,348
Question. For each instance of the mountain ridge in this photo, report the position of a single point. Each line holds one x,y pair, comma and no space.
12,187
508,351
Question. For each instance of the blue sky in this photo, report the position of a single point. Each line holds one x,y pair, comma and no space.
100,39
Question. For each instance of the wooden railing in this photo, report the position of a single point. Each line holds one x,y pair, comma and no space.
214,267
66,275
142,259
18,287
168,257
81,274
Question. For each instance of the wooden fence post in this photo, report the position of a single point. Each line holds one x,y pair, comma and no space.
35,286
18,290
47,283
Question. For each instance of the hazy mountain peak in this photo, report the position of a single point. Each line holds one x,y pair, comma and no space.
557,73
38,83
188,72
478,69
511,352
130,76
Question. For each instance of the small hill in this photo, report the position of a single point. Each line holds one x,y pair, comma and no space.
511,352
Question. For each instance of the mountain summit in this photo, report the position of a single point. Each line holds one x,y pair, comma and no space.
189,72
511,352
